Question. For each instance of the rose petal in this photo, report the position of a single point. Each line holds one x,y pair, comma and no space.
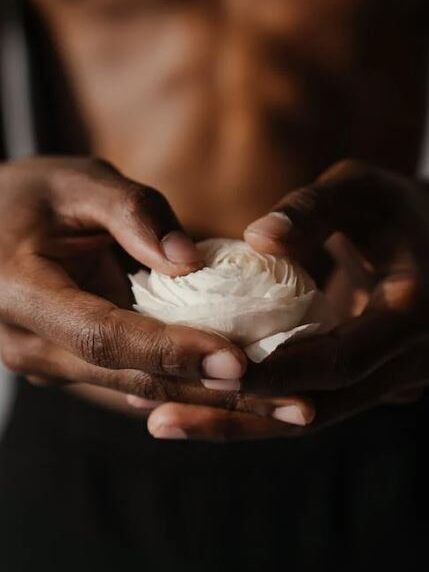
242,294
261,349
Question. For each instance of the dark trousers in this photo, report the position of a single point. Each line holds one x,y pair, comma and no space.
82,490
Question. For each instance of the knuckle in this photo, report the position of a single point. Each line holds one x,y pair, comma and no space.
152,350
174,361
140,199
233,401
166,357
137,383
300,204
147,387
97,343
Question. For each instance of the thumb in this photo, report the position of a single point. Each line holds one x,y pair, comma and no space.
138,217
350,197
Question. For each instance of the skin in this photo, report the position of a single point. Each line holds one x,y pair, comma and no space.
214,102
65,301
381,351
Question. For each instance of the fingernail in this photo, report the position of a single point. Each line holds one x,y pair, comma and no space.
289,414
275,225
222,365
140,403
222,384
167,432
180,249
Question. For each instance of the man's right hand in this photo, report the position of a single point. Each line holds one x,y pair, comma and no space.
64,300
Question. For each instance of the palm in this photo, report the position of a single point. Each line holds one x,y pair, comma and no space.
101,272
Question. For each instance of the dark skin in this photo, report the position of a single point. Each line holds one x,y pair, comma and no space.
290,92
376,354
380,352
65,303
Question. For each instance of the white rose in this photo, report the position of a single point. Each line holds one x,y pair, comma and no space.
256,300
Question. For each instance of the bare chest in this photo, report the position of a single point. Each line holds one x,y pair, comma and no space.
223,105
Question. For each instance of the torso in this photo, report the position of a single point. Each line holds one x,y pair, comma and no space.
225,104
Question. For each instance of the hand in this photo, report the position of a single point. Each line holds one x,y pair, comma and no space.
64,299
378,227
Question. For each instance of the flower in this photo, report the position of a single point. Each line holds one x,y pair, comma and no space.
256,300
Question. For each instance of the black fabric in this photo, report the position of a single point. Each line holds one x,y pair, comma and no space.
84,489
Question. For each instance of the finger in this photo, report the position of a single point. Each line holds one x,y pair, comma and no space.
334,360
177,421
408,371
45,301
291,410
138,217
368,206
45,364
358,201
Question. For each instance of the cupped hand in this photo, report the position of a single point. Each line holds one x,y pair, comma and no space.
377,226
65,299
